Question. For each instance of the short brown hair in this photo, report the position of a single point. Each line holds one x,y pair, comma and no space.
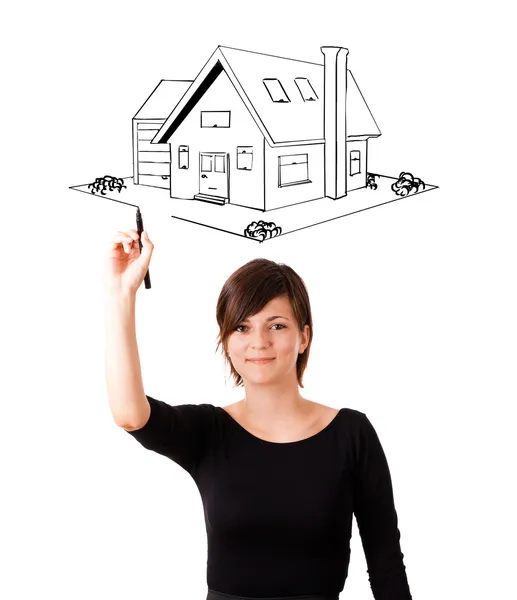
248,290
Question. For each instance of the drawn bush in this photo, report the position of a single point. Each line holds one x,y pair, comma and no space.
406,184
370,181
262,230
106,183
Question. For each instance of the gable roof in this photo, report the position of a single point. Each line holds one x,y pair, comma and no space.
281,123
162,99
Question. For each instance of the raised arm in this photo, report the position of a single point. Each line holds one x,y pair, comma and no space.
178,432
125,271
374,508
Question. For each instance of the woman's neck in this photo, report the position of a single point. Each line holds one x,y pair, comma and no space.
263,406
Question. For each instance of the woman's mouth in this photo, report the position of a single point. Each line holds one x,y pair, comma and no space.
260,361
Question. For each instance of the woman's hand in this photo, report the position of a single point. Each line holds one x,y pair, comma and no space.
126,266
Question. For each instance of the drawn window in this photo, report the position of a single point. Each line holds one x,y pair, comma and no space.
244,157
219,163
276,90
215,118
206,163
183,157
355,162
306,89
293,169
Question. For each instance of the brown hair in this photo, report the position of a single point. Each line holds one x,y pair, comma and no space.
248,290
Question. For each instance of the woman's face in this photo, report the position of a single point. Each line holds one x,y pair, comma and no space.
273,334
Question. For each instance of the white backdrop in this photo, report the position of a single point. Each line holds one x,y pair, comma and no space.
413,302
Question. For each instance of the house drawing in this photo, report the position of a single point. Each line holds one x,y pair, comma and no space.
257,131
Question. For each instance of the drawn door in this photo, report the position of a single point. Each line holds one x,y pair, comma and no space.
213,174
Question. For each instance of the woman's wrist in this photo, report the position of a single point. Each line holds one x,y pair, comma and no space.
116,292
121,299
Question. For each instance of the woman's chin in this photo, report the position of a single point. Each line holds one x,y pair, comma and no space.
255,379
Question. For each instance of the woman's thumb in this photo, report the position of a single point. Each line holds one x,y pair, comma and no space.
147,245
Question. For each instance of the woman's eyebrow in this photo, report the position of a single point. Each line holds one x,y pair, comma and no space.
269,318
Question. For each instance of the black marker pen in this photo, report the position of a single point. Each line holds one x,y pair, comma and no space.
140,228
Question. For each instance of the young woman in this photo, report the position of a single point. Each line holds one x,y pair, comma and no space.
280,476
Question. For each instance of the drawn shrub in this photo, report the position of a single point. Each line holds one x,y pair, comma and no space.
406,184
262,230
370,181
106,183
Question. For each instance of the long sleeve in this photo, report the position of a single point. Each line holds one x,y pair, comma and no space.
180,432
376,517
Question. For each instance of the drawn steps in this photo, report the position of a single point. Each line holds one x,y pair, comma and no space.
210,198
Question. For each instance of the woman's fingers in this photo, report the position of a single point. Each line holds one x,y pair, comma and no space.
121,236
132,238
124,238
129,267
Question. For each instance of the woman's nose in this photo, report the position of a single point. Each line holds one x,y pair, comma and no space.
259,346
260,340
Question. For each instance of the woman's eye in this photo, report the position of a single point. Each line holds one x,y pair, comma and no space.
280,325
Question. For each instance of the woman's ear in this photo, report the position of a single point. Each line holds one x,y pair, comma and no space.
305,339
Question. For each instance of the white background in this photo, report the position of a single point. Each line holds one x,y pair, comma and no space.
413,302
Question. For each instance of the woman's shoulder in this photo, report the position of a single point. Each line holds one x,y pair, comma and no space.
329,412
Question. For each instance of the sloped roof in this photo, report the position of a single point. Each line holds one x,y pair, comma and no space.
163,99
360,121
281,123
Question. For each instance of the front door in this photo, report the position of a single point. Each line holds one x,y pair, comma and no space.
213,174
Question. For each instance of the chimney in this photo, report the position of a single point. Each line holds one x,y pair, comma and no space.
334,120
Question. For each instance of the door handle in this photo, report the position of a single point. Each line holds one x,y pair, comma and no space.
204,176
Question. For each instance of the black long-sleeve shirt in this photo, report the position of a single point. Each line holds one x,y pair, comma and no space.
279,515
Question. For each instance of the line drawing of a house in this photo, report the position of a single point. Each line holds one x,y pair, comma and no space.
256,130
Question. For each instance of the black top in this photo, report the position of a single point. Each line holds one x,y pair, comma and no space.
279,515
